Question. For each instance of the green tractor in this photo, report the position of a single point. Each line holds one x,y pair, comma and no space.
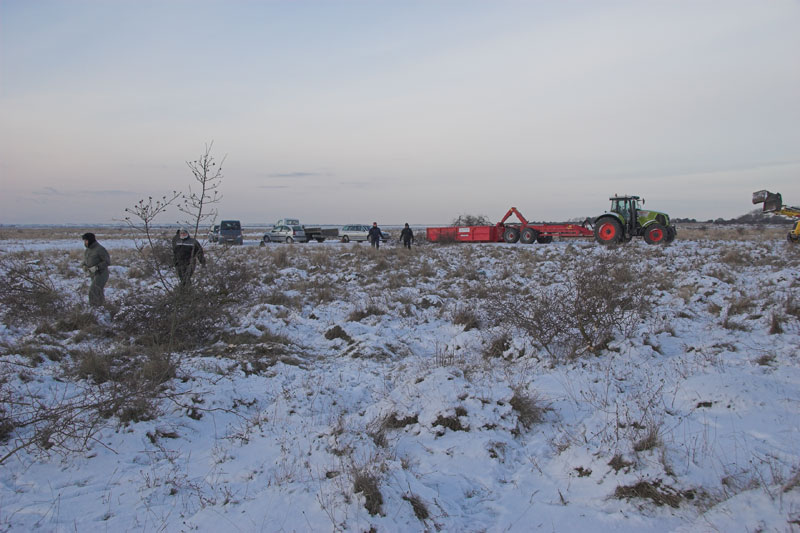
627,220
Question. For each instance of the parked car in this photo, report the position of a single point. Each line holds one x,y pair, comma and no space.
213,235
230,232
358,233
316,233
285,233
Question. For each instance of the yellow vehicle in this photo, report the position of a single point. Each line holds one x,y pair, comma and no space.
773,203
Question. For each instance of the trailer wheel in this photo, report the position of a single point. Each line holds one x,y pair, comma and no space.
528,235
655,234
608,231
345,238
320,239
544,239
511,235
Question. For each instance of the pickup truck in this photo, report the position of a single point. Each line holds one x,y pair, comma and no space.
312,232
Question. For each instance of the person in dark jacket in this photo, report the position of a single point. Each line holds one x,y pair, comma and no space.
186,252
96,261
374,235
407,236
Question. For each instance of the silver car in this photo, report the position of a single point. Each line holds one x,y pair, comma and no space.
285,234
358,233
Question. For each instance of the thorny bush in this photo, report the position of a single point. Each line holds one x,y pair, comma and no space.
599,297
27,291
184,318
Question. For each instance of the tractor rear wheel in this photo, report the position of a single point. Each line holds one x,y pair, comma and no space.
528,235
608,231
655,234
792,238
511,235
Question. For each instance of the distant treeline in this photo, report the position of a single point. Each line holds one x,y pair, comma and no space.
755,217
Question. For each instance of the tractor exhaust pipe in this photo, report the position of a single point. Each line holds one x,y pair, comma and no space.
772,201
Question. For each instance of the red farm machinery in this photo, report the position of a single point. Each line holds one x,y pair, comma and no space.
523,231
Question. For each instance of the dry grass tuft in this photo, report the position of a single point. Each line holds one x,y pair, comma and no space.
336,332
528,407
367,484
497,346
419,507
655,491
466,317
650,441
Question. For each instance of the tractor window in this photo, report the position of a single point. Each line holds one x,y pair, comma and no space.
621,207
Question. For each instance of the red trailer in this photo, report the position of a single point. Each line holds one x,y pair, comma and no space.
524,231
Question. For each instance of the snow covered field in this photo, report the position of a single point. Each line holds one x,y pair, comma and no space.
331,387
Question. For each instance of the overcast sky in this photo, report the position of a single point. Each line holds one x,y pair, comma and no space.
398,111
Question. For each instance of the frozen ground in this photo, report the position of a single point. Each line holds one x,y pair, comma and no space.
353,390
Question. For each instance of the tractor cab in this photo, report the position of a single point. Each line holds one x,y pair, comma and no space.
627,207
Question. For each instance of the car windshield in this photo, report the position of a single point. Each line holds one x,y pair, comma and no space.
231,224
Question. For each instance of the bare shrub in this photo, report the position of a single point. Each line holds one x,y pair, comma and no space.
599,298
184,318
64,418
27,291
471,220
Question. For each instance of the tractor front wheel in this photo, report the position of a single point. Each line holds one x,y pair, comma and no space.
608,231
655,234
528,235
511,235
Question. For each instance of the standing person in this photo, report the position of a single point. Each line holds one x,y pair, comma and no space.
96,261
374,235
407,236
186,252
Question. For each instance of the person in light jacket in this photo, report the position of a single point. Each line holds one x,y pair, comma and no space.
96,261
